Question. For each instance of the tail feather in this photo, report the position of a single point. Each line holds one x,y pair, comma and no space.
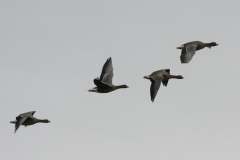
146,77
13,122
179,48
92,90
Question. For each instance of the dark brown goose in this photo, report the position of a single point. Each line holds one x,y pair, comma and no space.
27,119
157,77
104,83
189,49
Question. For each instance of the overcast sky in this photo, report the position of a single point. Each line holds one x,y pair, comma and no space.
50,52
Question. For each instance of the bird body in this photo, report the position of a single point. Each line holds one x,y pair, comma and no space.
189,49
104,83
29,121
157,77
105,89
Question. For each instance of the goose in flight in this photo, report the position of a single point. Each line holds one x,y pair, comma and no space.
104,83
27,119
189,49
157,77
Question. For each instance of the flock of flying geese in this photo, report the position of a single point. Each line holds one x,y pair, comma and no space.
104,83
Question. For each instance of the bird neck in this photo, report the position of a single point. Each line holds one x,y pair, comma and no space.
176,77
209,45
43,120
121,86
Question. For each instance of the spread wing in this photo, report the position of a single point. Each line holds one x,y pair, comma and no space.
188,53
21,118
156,82
107,72
100,84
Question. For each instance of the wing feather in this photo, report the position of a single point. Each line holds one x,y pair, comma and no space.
107,72
21,118
162,71
188,52
156,82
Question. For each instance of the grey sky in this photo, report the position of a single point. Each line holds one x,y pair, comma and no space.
52,50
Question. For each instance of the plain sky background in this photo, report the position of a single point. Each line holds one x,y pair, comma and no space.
50,52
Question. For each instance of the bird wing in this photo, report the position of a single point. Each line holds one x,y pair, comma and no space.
107,72
161,71
165,83
100,84
188,53
21,118
156,82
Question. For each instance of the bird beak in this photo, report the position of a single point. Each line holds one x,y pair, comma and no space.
217,44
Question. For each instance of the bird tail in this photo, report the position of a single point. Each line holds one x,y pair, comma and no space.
92,90
13,122
179,47
146,77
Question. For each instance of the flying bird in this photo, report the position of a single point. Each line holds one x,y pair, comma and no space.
157,77
189,49
27,119
104,83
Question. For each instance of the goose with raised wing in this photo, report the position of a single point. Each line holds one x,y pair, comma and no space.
104,83
189,49
157,77
27,119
